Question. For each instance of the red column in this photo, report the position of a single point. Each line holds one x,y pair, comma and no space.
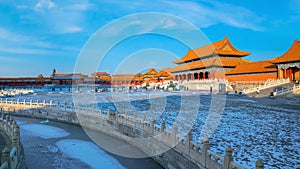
290,74
198,76
212,75
284,73
204,75
278,73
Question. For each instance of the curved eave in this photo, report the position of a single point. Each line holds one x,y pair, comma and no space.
237,54
244,73
285,61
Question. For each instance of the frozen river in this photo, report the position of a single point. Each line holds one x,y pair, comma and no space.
254,128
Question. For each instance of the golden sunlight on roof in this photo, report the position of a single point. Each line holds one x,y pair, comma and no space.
253,67
292,55
222,47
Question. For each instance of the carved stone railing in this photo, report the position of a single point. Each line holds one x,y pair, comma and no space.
268,84
14,105
182,148
12,155
285,91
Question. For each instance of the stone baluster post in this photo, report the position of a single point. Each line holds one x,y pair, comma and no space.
78,108
204,150
259,164
57,106
294,88
6,101
24,102
50,103
65,106
162,130
86,108
109,114
153,125
117,115
94,108
18,103
189,139
44,103
5,156
163,126
12,101
30,103
135,118
37,103
101,111
126,117
144,119
73,107
174,135
228,158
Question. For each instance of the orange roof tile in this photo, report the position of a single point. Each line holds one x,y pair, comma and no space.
106,78
223,47
127,77
165,74
151,71
101,73
220,62
253,67
69,74
292,55
254,77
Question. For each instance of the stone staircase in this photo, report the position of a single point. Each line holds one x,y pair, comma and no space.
267,92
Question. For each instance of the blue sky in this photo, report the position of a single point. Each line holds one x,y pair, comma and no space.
37,36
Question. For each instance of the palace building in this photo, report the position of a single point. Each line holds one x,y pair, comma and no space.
209,62
101,78
25,81
67,78
221,60
282,67
253,71
288,64
127,79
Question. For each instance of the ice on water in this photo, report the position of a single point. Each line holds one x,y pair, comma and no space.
88,153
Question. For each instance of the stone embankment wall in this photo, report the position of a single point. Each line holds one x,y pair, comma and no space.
167,147
12,154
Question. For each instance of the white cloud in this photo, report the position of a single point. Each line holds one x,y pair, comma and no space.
23,7
8,36
72,29
83,6
26,50
12,36
8,58
168,23
44,4
202,13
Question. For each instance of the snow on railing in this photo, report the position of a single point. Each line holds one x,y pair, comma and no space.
269,83
12,154
285,91
200,155
185,82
